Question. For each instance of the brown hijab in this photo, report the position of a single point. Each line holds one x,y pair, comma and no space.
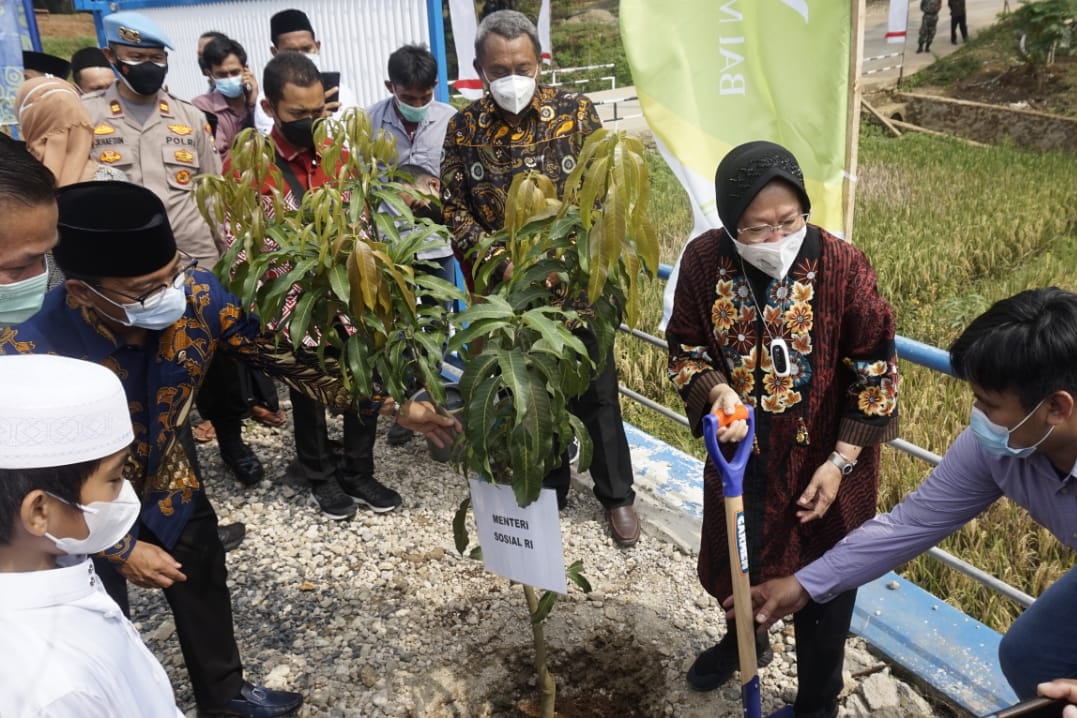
56,128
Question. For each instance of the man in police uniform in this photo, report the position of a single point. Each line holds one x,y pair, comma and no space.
162,142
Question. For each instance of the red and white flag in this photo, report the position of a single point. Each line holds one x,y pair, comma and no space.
464,26
544,32
898,20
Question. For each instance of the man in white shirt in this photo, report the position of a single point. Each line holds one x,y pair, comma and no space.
291,31
66,649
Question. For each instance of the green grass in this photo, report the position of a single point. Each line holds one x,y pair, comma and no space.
950,229
66,46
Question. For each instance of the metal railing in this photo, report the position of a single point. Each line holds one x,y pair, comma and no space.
910,350
553,73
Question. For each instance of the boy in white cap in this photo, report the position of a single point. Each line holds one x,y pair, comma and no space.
65,647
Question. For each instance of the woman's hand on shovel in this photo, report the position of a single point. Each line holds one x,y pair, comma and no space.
732,424
772,600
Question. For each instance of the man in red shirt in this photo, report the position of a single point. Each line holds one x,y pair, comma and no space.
294,98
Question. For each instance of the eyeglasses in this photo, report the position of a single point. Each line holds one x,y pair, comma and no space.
760,232
177,281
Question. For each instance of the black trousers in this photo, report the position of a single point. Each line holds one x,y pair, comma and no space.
312,449
600,411
958,21
201,605
820,630
222,398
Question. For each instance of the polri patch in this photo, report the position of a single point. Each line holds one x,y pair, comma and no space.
183,177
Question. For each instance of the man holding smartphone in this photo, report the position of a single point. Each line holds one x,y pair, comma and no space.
291,31
229,106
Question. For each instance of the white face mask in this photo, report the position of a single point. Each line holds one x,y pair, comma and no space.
775,259
513,93
160,311
108,522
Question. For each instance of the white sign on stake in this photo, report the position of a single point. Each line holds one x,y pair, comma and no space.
522,544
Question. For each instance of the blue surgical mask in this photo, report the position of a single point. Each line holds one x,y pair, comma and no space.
996,439
160,311
413,114
20,300
229,86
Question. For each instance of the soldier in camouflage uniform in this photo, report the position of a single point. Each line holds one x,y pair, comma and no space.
930,8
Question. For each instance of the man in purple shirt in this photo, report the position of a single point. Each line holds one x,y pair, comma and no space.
1020,358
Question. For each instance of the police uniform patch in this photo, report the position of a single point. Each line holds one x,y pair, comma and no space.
184,156
104,130
183,177
128,35
163,107
114,107
109,157
181,130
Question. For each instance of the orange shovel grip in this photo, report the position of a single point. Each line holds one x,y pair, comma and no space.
739,412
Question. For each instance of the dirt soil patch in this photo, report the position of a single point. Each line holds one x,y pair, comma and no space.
66,26
1014,85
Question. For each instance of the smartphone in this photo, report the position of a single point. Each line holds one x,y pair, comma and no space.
1035,708
329,81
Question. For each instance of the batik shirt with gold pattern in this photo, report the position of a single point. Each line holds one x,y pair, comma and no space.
483,152
161,379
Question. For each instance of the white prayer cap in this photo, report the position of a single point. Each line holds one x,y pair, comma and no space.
56,411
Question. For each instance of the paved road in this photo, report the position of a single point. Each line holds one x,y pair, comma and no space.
979,13
618,112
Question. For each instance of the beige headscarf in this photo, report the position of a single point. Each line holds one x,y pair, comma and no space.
56,128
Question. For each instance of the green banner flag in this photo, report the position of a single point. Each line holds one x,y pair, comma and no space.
712,74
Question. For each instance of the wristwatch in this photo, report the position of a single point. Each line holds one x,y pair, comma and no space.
844,465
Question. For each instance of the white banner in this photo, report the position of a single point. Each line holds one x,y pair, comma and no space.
522,544
897,22
544,32
464,26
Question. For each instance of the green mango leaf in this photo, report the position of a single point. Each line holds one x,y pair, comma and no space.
545,605
574,573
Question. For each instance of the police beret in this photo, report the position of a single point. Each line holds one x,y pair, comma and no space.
112,229
746,170
135,30
47,64
287,21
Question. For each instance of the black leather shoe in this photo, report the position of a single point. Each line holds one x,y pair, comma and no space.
259,702
231,535
715,666
238,457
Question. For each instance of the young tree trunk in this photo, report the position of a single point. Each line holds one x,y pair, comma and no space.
545,678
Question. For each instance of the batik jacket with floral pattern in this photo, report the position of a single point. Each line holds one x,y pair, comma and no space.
842,386
161,379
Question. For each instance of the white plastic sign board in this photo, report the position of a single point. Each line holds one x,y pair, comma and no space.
522,544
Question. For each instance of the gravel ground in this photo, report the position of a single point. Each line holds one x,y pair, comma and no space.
379,616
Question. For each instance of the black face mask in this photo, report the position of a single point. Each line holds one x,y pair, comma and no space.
144,78
299,133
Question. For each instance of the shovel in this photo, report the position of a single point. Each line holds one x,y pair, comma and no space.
732,474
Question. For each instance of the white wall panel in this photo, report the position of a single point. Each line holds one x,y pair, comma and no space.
357,37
